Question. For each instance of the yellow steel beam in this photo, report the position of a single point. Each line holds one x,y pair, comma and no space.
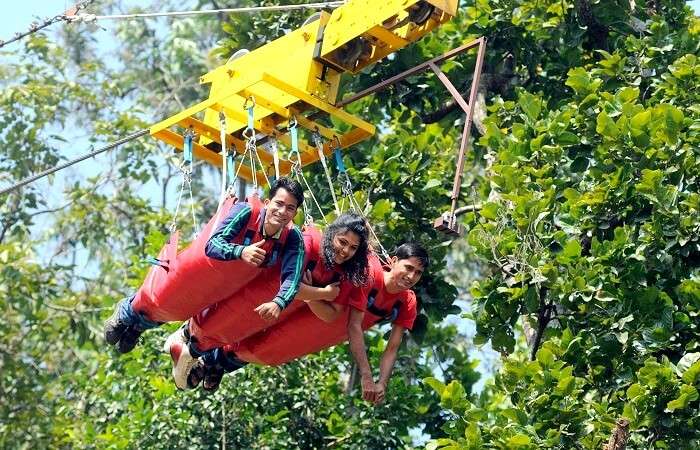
344,116
202,153
212,133
393,41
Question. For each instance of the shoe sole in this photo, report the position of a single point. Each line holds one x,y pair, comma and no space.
112,338
185,361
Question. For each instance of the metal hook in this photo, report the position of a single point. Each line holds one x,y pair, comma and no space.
248,133
335,142
250,99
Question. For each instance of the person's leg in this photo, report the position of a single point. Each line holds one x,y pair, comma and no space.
192,365
215,364
301,334
124,326
234,318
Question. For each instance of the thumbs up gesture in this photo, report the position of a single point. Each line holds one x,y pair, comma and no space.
253,254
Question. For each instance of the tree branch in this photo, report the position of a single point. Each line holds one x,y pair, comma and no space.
543,318
620,435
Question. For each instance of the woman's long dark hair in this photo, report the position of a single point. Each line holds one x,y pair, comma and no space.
355,268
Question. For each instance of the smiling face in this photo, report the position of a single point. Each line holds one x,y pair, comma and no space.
345,245
281,209
404,274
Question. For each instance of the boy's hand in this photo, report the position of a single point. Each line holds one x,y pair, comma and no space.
381,393
369,389
253,254
269,311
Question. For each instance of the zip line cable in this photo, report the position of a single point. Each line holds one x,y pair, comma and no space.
35,26
250,9
33,178
72,15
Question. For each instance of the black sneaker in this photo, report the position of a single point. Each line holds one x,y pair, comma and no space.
212,377
218,363
117,323
129,339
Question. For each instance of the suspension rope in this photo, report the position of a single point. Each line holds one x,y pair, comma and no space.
347,189
67,16
322,157
186,170
72,15
250,138
55,169
296,170
224,157
251,9
275,157
358,209
262,167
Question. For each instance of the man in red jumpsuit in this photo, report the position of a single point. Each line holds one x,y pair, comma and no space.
252,240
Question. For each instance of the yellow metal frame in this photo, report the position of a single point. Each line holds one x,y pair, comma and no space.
294,78
372,21
208,132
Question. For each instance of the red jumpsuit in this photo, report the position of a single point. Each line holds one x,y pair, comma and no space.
190,281
234,319
303,333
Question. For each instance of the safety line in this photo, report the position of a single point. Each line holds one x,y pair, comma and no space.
72,15
250,9
35,26
33,178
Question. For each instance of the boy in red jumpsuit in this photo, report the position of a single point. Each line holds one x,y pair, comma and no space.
252,240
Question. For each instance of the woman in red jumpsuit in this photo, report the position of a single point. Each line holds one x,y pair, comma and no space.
387,296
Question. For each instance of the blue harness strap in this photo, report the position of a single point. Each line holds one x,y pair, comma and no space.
231,168
385,316
339,164
187,149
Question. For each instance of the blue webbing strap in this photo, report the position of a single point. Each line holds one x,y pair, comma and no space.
251,124
339,164
295,138
187,148
231,167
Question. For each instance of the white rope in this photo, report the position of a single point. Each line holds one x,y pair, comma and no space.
356,207
224,157
262,167
195,231
300,176
252,9
276,158
173,225
326,170
250,149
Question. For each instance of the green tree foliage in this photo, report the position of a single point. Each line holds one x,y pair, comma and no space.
590,228
72,245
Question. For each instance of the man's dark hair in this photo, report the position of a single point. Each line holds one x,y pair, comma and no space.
355,268
289,185
412,249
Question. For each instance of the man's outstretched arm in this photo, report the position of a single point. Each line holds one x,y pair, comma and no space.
359,353
388,360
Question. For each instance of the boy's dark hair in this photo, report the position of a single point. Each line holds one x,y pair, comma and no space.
289,185
355,268
413,249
